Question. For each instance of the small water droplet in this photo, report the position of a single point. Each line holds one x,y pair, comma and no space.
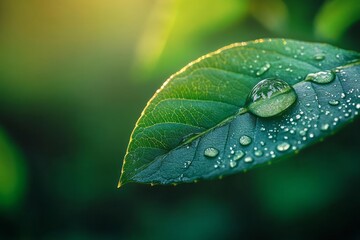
357,106
248,159
187,164
258,153
233,164
302,133
245,140
238,155
333,102
321,77
319,56
270,97
282,147
211,152
263,69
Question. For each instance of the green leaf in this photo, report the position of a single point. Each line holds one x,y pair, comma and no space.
202,110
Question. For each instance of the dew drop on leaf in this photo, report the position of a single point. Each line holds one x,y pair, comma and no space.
319,56
248,159
325,127
263,69
282,147
233,164
238,155
322,77
270,97
245,140
333,102
211,152
258,153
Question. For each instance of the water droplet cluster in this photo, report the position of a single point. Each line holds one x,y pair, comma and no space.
313,116
295,129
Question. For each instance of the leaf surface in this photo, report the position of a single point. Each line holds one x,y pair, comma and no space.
203,106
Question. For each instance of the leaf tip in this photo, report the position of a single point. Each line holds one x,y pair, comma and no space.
122,181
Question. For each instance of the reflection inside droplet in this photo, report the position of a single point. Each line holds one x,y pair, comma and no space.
270,97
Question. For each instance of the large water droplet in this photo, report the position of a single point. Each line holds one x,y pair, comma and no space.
270,97
282,147
245,140
321,77
211,152
263,69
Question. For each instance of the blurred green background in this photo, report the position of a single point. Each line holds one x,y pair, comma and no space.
75,76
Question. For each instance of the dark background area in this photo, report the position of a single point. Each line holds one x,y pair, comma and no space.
74,78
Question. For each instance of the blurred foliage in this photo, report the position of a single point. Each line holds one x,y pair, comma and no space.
178,26
299,190
335,17
70,95
273,18
12,174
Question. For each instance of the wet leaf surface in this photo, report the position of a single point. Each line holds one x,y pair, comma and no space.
200,123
